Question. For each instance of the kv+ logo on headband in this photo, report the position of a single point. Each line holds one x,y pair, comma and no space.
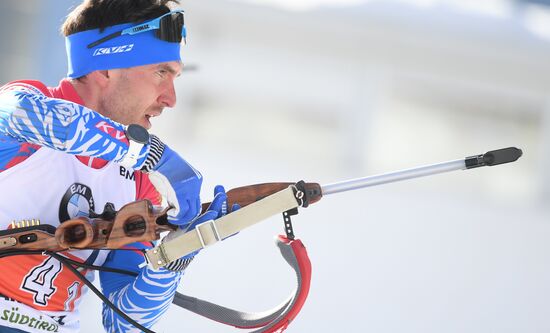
114,49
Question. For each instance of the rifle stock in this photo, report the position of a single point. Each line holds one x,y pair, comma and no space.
37,237
138,221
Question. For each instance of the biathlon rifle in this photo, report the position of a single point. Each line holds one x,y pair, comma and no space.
140,221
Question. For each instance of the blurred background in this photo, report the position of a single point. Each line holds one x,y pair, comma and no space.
327,90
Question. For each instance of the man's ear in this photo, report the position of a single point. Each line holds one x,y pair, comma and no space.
100,77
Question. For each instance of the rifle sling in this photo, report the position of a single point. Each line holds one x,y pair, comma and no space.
205,234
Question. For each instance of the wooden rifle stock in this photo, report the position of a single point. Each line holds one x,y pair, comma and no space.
245,195
138,221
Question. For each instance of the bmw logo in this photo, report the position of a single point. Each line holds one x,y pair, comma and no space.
77,201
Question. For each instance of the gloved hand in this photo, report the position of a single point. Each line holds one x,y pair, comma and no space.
178,182
216,209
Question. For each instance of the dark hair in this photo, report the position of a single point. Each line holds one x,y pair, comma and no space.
94,14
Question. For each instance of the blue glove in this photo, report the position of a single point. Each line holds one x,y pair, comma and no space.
179,183
216,209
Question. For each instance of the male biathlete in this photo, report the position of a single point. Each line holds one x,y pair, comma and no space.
70,149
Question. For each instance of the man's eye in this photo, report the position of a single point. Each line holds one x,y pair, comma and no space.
162,72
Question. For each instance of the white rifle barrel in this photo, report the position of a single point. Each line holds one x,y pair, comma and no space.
494,157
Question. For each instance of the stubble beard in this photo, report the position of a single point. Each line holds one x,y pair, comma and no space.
117,106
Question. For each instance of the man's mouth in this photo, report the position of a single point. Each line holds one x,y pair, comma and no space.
152,114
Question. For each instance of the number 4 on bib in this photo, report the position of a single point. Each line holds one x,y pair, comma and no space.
40,281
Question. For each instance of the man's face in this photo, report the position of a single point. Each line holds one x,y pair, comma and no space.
137,94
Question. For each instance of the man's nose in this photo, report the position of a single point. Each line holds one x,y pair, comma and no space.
168,95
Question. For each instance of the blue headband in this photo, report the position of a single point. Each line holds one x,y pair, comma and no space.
121,52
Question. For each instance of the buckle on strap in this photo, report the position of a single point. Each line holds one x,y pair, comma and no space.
211,235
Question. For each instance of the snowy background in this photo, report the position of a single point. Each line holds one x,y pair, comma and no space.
331,90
